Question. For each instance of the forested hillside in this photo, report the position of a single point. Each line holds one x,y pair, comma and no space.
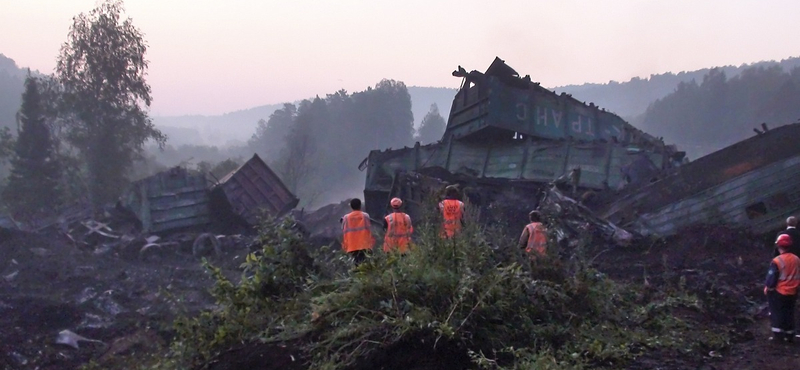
317,145
719,110
700,111
12,80
630,99
234,128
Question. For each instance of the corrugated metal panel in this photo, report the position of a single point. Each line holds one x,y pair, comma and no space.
253,189
593,161
545,161
754,184
499,100
618,161
728,203
505,162
169,200
466,159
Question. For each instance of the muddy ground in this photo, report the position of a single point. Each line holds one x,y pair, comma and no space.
48,285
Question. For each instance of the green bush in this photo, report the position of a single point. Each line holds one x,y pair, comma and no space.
478,293
269,297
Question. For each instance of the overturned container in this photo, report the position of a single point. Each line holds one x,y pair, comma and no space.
250,192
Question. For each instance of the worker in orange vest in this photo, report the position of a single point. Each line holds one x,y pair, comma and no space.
398,228
452,211
780,287
534,236
357,237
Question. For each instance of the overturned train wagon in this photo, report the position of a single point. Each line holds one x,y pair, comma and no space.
179,199
753,184
252,191
503,126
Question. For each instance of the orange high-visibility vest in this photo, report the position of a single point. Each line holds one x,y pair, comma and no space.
356,232
398,233
453,211
789,277
537,238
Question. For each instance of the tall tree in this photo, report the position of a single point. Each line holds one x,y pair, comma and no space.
383,117
33,183
432,127
102,68
270,137
301,158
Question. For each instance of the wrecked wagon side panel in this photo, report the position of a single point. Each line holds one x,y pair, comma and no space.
754,183
254,188
169,200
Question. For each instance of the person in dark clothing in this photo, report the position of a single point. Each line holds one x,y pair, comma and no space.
791,230
780,287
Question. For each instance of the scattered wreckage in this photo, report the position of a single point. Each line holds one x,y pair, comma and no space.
175,209
509,134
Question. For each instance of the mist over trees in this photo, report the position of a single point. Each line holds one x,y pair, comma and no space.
81,132
432,127
630,99
102,70
11,87
719,111
317,145
270,135
35,169
101,136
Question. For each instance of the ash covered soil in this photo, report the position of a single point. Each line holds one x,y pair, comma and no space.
726,269
48,285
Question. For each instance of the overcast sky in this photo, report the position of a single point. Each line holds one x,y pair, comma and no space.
215,56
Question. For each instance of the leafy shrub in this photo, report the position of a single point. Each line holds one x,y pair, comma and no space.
477,293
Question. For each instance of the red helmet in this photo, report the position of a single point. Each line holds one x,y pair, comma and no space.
396,202
784,241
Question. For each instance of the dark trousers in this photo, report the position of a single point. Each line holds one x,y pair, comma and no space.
781,313
359,256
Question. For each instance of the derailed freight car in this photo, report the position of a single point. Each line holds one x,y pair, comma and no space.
753,184
503,126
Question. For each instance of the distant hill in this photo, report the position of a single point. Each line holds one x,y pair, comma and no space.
228,129
237,127
12,81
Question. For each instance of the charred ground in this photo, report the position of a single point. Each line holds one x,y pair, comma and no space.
50,285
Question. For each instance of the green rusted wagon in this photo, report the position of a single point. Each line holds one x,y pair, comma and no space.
506,127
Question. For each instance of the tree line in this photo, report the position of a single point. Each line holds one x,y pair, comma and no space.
630,99
81,130
702,117
317,145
